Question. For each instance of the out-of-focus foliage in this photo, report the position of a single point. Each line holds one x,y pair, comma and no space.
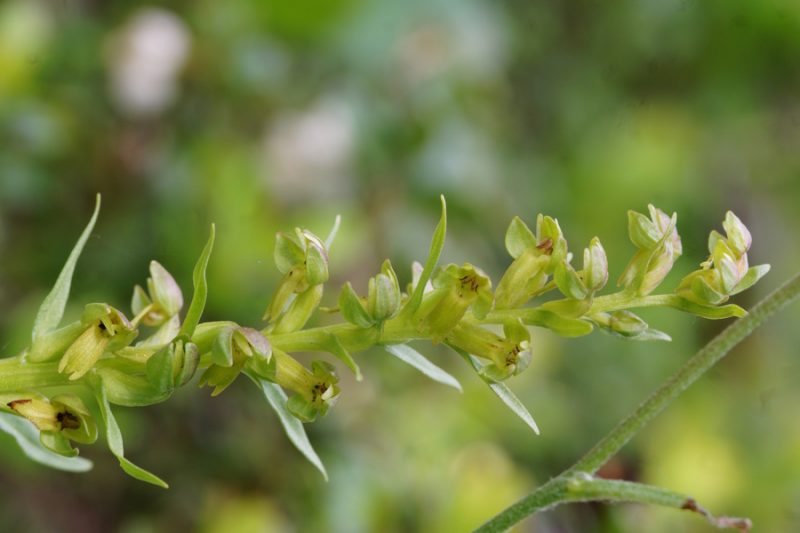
263,115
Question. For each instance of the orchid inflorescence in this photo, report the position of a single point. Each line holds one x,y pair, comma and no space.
96,361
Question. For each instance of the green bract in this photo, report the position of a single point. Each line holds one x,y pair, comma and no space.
450,304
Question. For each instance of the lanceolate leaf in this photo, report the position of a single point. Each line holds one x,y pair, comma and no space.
27,437
503,392
409,355
293,427
114,438
195,311
706,311
437,243
52,308
336,348
332,235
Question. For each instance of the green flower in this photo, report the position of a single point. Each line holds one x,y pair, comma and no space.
456,290
509,355
59,420
535,257
234,348
316,390
659,246
726,271
106,329
302,259
382,302
161,301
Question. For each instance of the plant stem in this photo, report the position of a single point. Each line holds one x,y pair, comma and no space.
549,494
17,375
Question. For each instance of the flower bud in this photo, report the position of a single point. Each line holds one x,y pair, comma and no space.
739,238
642,232
595,266
568,281
626,323
163,300
383,300
730,270
303,261
173,365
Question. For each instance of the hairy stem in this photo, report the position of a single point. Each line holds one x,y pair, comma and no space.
550,493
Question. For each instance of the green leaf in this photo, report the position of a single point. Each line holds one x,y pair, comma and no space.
114,439
335,347
566,327
409,355
651,334
707,311
200,289
124,384
352,309
292,426
159,369
502,391
332,235
751,278
519,238
437,243
27,437
52,308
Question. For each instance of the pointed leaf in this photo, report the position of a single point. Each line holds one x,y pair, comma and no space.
707,311
27,437
502,391
198,304
437,243
564,326
292,426
651,334
336,348
52,308
114,439
750,278
332,235
519,238
409,355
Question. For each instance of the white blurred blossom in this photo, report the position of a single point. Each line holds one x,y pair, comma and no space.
146,57
308,153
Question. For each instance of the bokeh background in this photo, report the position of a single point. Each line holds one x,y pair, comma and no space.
264,115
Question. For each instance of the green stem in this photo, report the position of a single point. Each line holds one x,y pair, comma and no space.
17,375
548,494
583,487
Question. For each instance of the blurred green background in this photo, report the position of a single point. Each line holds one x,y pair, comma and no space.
264,115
